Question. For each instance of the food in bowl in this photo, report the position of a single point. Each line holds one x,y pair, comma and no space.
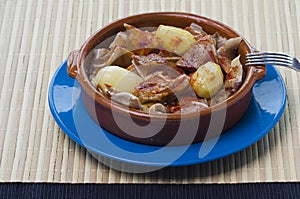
179,127
168,69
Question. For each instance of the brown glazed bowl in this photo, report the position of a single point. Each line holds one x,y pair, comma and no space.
163,129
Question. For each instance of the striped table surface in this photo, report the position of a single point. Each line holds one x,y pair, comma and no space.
36,36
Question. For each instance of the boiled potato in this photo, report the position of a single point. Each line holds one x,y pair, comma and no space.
117,78
207,80
175,39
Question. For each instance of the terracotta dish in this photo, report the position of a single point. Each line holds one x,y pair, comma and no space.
163,129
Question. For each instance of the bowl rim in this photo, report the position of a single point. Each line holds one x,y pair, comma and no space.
253,73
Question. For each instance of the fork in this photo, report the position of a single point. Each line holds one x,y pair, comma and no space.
275,58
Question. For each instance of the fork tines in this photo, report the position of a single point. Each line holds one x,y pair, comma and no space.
275,58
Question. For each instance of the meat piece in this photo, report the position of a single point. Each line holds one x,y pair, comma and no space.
101,55
196,30
134,39
200,53
219,97
120,57
229,48
149,59
145,65
124,98
120,40
159,88
116,56
137,38
235,76
225,63
227,52
158,108
168,54
219,40
188,104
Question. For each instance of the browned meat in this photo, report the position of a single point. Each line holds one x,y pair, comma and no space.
149,59
225,63
235,76
120,40
160,88
158,108
168,54
227,52
117,56
146,65
137,39
229,48
188,104
219,40
196,30
201,52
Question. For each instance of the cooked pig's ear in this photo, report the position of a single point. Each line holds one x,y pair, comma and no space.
229,48
120,40
126,99
234,78
219,39
158,108
196,30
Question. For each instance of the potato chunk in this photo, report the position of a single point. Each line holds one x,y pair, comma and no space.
117,78
207,80
175,39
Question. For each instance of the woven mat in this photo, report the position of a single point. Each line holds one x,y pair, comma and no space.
35,38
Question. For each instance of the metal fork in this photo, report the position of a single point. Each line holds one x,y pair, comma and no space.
274,58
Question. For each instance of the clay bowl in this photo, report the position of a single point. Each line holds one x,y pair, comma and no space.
162,129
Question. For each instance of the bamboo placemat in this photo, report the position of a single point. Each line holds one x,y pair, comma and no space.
36,36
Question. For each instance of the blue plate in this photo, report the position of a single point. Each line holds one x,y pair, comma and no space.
266,107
